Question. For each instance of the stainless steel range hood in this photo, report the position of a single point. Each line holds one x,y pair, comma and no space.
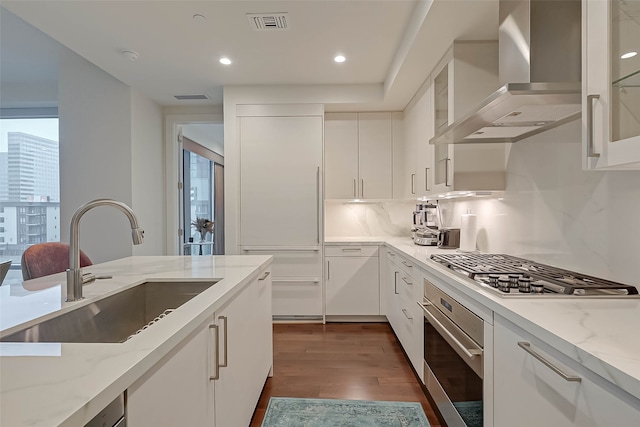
539,68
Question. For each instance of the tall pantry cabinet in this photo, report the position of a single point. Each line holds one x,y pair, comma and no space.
281,200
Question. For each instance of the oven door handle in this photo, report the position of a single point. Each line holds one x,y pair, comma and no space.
469,352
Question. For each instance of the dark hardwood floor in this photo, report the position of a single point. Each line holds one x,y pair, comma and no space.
360,361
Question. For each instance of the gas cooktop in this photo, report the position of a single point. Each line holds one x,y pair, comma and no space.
512,276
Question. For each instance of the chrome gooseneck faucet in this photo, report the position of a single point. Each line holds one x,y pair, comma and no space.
74,273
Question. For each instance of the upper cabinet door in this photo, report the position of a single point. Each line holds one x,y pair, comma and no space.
611,84
376,155
341,155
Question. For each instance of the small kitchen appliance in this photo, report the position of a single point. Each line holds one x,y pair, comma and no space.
426,225
449,238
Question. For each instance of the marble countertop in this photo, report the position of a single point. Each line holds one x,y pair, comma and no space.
67,384
602,334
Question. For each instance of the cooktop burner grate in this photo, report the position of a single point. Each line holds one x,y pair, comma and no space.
570,282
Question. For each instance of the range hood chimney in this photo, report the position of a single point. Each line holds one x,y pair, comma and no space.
539,68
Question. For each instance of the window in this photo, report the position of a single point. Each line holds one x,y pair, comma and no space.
29,182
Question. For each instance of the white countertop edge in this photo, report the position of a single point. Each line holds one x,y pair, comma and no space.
134,358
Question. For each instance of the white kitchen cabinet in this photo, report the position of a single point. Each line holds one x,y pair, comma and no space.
610,84
358,155
280,183
352,282
465,76
528,392
404,291
245,353
404,159
215,376
281,208
177,391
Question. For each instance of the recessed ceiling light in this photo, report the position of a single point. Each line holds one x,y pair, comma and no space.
199,18
629,55
131,55
339,58
225,61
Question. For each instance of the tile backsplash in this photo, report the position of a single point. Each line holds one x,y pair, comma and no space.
552,211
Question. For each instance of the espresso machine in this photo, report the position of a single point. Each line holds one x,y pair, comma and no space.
426,224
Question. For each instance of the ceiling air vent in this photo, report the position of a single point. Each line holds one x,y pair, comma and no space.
268,21
190,97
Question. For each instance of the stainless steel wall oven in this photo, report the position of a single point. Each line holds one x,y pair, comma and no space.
453,358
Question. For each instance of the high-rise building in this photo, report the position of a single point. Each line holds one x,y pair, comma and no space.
29,193
32,168
4,176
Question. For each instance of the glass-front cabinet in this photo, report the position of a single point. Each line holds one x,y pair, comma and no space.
611,84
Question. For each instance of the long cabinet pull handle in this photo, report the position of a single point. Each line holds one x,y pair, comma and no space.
264,276
355,190
413,183
328,270
470,353
590,146
362,188
318,205
404,310
404,279
446,172
216,367
567,377
224,341
426,179
351,249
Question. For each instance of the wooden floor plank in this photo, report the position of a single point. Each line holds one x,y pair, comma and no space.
361,361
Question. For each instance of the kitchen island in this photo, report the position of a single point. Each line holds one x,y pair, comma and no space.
67,384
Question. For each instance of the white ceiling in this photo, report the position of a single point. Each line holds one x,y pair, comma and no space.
390,43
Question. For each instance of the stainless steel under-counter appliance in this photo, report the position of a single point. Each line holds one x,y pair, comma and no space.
453,358
510,276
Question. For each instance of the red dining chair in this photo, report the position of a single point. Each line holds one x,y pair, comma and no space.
43,259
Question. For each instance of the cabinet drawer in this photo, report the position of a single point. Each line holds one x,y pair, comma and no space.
351,251
292,262
296,297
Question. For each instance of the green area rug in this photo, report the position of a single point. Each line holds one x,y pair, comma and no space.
288,412
471,412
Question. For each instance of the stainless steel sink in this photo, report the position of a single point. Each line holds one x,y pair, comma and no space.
113,319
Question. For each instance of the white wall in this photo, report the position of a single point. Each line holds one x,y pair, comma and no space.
147,173
554,212
358,219
97,138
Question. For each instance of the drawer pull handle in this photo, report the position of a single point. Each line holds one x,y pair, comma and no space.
395,282
567,377
404,310
405,263
264,276
351,249
442,330
404,279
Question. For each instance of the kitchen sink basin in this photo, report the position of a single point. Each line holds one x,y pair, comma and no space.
113,319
